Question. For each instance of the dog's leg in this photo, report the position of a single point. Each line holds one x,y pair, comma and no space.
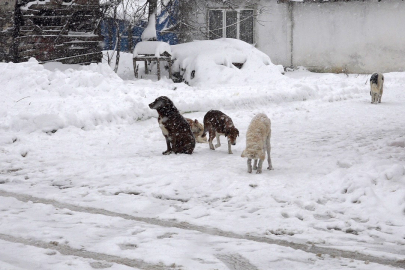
382,89
259,167
211,138
375,98
268,146
255,164
169,148
249,164
218,142
229,147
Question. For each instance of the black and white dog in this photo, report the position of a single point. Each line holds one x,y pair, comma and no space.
376,87
177,131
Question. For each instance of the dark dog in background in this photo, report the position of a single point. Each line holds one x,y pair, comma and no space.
376,87
177,132
217,123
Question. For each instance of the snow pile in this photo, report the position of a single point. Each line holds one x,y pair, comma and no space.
35,98
213,62
150,31
54,96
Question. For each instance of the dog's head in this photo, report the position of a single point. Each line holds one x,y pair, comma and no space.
163,105
374,78
197,127
231,133
252,154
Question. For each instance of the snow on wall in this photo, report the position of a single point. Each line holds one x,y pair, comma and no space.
355,37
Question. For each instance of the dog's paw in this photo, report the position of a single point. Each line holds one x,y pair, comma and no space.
167,152
217,145
258,171
270,168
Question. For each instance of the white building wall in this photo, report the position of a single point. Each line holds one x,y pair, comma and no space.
273,32
354,37
359,37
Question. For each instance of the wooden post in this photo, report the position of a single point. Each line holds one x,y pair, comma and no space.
146,67
158,67
135,71
170,68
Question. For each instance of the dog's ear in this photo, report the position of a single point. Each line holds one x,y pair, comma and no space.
196,121
226,133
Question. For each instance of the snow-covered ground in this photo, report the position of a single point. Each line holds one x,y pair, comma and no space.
84,184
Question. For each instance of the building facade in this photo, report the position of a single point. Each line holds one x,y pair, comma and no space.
351,36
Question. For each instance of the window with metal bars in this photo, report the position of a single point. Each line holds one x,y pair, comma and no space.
231,24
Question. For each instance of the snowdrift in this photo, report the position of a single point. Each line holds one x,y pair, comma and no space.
82,135
53,96
222,61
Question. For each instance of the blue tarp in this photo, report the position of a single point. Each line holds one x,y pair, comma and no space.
166,20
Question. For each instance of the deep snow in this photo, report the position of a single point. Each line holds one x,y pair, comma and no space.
84,136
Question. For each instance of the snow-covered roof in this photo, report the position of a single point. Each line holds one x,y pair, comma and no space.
156,48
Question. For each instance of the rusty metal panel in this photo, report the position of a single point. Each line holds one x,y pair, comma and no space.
55,30
7,5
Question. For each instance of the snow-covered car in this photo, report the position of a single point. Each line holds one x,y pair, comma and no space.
221,61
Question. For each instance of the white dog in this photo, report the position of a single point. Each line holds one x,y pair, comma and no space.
376,87
257,138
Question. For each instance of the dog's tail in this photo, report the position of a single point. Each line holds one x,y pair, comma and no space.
205,131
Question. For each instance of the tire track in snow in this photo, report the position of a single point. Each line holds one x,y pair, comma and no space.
236,262
205,230
69,251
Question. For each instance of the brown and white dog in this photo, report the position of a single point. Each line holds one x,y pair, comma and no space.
376,87
198,129
257,141
177,131
217,123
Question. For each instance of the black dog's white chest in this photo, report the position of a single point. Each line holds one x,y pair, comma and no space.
162,120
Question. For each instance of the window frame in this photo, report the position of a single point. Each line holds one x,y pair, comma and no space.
224,26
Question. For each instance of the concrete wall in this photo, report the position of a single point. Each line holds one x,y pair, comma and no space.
273,32
353,37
